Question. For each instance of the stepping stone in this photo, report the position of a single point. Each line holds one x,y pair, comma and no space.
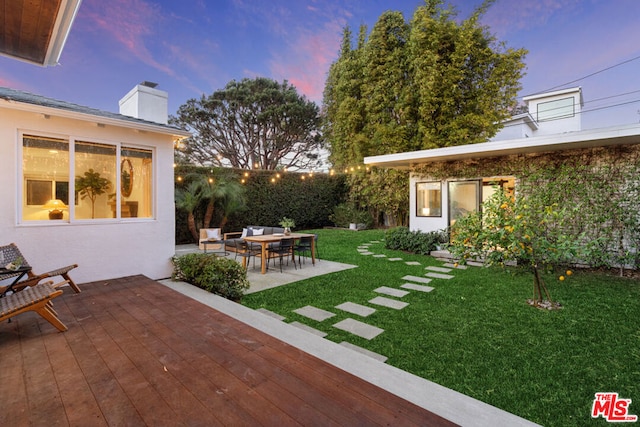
304,327
459,266
366,253
416,287
360,329
439,276
364,351
438,269
379,256
388,302
375,241
475,263
395,259
362,250
353,308
412,263
314,313
270,314
417,279
391,291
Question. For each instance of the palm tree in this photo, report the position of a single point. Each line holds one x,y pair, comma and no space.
188,199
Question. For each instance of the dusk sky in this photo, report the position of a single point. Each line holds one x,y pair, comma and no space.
195,47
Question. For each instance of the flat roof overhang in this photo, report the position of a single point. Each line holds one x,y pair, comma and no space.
558,142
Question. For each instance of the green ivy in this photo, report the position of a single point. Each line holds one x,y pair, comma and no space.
599,185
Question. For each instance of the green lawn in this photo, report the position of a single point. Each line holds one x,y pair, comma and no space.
477,335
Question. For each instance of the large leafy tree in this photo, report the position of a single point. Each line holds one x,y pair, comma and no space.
465,81
432,82
252,123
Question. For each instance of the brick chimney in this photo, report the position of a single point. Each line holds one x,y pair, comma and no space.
146,102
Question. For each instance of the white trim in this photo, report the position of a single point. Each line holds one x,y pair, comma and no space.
619,135
66,15
86,117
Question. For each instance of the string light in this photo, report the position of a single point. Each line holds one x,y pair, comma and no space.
275,176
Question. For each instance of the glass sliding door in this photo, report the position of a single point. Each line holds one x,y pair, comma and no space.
464,197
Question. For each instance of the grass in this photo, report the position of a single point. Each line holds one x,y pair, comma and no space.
477,335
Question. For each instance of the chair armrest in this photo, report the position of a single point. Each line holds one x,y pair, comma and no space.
232,235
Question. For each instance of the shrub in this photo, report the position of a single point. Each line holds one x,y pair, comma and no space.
418,242
221,276
346,213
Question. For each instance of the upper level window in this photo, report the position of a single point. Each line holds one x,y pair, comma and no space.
558,109
428,199
108,180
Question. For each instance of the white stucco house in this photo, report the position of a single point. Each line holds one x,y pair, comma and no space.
53,153
447,182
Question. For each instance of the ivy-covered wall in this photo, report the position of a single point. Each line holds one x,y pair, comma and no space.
308,199
601,185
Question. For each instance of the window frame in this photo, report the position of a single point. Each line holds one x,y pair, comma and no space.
419,208
70,140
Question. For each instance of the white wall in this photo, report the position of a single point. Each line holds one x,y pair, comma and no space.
426,224
103,249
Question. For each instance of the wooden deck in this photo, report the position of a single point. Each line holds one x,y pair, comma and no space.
138,353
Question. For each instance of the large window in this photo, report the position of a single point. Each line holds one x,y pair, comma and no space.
428,199
107,181
558,109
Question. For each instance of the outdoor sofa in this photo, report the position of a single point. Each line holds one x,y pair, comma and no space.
251,230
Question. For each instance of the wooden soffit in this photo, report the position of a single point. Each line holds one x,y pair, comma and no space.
36,30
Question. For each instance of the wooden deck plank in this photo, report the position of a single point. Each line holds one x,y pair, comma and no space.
138,353
11,374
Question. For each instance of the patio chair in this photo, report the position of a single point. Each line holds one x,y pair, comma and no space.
304,246
10,253
210,235
33,298
247,250
285,248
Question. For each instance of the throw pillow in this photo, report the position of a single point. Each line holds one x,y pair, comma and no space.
258,231
213,234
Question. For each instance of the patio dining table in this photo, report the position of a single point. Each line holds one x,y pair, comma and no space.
266,239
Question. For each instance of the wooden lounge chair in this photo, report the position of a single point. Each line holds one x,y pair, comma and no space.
10,253
33,298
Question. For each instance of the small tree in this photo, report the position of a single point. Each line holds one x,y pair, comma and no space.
521,230
91,185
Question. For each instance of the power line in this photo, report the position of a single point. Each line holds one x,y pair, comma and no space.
587,76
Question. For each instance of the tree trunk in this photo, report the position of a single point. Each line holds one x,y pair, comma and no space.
208,214
539,287
191,223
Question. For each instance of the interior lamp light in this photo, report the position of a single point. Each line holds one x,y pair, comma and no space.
55,207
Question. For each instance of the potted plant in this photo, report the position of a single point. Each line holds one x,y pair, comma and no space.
91,185
287,224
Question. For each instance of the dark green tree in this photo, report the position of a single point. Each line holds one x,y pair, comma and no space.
465,81
433,82
253,123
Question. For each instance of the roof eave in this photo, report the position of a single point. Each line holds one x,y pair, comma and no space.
570,140
64,21
142,126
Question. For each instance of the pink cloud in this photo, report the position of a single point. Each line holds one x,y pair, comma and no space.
309,55
506,15
130,23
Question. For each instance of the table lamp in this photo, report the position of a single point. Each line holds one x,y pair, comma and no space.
55,208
